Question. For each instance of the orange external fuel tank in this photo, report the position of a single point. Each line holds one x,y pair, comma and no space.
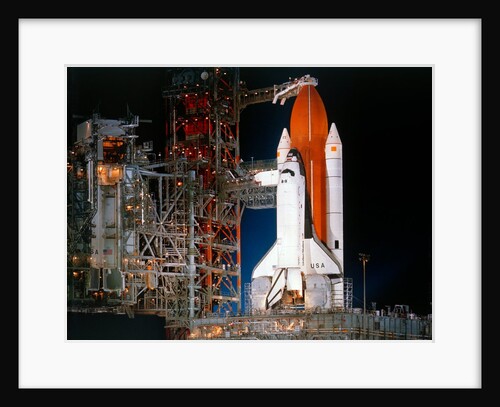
308,134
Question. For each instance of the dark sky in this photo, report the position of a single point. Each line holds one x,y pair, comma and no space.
384,118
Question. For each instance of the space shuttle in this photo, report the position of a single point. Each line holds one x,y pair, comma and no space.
303,269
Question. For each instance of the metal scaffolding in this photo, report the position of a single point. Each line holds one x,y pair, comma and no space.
348,294
248,298
323,325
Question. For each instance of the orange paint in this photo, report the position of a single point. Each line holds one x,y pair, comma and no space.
308,133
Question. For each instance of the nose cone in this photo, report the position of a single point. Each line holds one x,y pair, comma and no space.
284,140
283,148
333,135
308,120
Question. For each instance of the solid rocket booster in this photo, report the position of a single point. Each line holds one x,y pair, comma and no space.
308,133
334,199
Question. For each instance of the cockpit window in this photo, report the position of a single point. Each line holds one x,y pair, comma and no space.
288,170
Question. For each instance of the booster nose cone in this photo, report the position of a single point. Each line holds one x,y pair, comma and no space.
333,146
284,140
333,135
283,148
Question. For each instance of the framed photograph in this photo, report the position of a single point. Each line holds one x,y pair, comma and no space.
386,97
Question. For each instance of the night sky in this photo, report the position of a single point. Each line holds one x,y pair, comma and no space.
384,118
